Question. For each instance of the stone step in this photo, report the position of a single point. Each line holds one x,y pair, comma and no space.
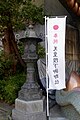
57,118
56,114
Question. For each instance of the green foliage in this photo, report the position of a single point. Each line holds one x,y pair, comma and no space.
21,48
41,51
31,12
9,88
5,66
18,13
10,83
8,11
2,85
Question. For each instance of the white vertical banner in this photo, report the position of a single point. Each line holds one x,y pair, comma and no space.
56,52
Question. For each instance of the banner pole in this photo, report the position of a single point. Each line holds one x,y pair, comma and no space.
46,46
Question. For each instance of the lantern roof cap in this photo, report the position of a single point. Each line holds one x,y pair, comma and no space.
31,35
31,32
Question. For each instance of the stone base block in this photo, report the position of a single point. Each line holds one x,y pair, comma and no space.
29,110
30,106
18,115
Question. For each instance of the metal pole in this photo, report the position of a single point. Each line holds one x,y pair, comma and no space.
46,46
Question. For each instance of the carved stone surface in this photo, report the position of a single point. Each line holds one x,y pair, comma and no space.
30,91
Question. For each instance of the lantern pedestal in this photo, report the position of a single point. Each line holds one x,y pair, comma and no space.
29,110
30,90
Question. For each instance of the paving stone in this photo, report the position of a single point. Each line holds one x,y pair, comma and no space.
57,118
56,114
5,111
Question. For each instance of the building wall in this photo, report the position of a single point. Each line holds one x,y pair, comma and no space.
55,8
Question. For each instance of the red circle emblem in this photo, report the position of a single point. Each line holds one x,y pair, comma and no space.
55,27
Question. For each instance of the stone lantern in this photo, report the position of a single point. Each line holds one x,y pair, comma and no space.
30,104
30,90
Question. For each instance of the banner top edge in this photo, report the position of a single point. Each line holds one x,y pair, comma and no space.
55,17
